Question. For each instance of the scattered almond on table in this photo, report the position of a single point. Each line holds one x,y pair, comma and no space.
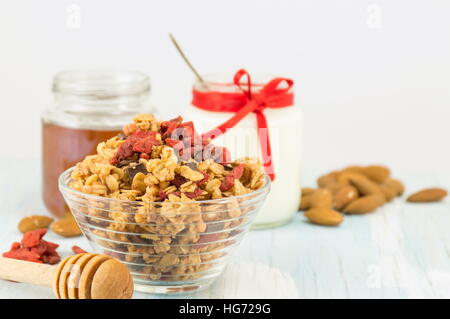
34,222
66,227
427,195
324,216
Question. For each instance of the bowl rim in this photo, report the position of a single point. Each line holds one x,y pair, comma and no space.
64,188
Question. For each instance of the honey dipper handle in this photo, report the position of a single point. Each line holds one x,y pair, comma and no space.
27,272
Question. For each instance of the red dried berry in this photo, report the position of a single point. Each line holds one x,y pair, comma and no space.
138,142
51,258
176,193
194,194
167,127
22,254
15,245
145,144
124,151
204,180
235,173
33,248
77,250
162,195
171,142
50,246
33,238
39,249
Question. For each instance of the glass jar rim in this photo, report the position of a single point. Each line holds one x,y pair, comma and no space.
102,83
223,82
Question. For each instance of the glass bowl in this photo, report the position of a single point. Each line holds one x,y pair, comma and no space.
169,247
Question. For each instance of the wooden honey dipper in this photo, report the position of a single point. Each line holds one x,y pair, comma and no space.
82,276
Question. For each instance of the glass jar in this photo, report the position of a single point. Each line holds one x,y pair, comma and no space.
89,107
285,133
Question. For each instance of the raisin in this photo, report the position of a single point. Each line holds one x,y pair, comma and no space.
179,180
132,170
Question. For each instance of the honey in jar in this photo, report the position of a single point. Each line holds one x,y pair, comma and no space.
90,107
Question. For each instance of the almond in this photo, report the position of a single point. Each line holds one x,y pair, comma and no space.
353,168
343,178
365,204
396,185
427,195
327,180
324,216
344,195
320,198
364,185
304,204
66,227
377,173
305,192
388,192
34,222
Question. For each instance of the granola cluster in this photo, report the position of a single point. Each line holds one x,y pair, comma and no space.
170,230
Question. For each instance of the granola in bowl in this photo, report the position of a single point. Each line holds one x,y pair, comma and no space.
165,202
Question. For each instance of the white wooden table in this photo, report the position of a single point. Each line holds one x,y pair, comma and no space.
400,251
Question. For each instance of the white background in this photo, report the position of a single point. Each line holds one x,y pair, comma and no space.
372,77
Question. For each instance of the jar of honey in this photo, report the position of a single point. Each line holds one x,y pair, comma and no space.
89,107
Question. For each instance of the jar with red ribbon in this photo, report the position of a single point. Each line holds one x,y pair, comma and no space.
257,117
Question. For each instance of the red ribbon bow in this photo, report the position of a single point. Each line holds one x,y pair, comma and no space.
270,96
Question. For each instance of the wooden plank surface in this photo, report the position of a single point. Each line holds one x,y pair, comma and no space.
400,251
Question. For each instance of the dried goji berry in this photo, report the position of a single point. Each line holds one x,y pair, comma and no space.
51,258
33,238
77,250
194,194
176,193
50,246
234,174
145,144
22,254
139,141
167,127
172,142
33,248
164,195
39,249
124,151
15,245
204,180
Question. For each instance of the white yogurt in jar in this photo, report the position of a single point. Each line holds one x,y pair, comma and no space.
242,140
